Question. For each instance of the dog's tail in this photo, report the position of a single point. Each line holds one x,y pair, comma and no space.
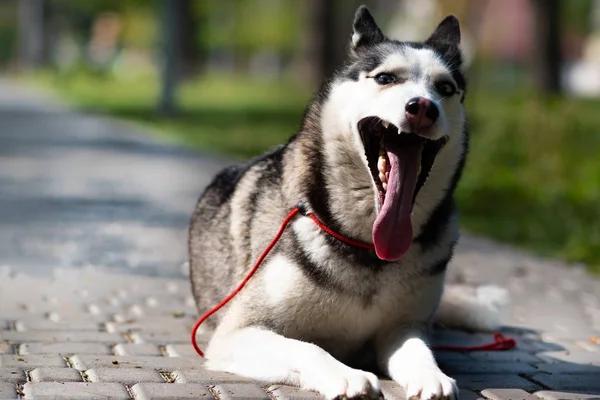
481,308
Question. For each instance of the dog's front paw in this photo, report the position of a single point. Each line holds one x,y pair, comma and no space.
428,383
344,383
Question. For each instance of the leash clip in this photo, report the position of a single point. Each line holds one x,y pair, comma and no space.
302,208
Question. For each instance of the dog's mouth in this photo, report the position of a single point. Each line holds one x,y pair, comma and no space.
400,164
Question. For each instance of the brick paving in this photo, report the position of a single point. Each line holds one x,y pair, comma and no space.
94,301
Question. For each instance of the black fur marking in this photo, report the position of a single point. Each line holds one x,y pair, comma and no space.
366,29
225,183
445,41
272,168
441,265
322,278
311,270
368,63
356,255
447,32
436,225
445,211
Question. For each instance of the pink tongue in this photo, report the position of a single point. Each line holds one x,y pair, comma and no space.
392,231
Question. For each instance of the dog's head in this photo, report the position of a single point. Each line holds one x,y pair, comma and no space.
399,104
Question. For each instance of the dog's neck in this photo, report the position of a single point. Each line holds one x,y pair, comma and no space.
328,173
349,185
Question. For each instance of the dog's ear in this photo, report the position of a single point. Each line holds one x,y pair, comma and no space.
446,34
366,32
446,41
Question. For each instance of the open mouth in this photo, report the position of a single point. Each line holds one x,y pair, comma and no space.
400,164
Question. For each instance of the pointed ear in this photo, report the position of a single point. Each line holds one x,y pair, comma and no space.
366,31
446,34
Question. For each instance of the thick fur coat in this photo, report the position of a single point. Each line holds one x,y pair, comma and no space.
318,307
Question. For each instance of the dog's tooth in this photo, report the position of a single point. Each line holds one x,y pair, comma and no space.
382,177
381,164
384,185
385,124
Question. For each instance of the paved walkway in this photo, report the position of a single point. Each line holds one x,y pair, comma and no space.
94,301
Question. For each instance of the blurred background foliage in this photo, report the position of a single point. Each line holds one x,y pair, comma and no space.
240,73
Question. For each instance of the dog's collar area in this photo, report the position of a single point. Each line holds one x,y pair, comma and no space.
304,211
302,208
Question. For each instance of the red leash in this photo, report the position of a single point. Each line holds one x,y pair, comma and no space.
264,254
501,343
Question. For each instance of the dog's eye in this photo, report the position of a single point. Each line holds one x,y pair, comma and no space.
384,78
445,88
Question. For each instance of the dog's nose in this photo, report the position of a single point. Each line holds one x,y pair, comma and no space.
421,113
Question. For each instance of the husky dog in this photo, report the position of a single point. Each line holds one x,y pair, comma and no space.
377,159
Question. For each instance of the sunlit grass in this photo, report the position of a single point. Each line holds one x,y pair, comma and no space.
532,178
224,114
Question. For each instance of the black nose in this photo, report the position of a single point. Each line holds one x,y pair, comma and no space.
422,111
418,105
412,106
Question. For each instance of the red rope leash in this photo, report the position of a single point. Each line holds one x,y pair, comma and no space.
226,300
338,236
501,343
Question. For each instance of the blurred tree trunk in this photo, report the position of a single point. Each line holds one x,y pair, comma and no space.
186,33
547,59
321,21
169,21
31,33
328,30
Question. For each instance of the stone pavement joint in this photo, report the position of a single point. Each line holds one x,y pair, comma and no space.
206,377
239,391
95,297
280,392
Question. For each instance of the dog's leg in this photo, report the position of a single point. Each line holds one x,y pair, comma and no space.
404,355
268,357
473,308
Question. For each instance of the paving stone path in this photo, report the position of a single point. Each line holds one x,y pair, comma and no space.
94,301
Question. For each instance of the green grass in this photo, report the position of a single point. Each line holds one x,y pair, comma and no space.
532,178
225,114
533,175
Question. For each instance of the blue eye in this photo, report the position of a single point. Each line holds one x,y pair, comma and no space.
384,78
